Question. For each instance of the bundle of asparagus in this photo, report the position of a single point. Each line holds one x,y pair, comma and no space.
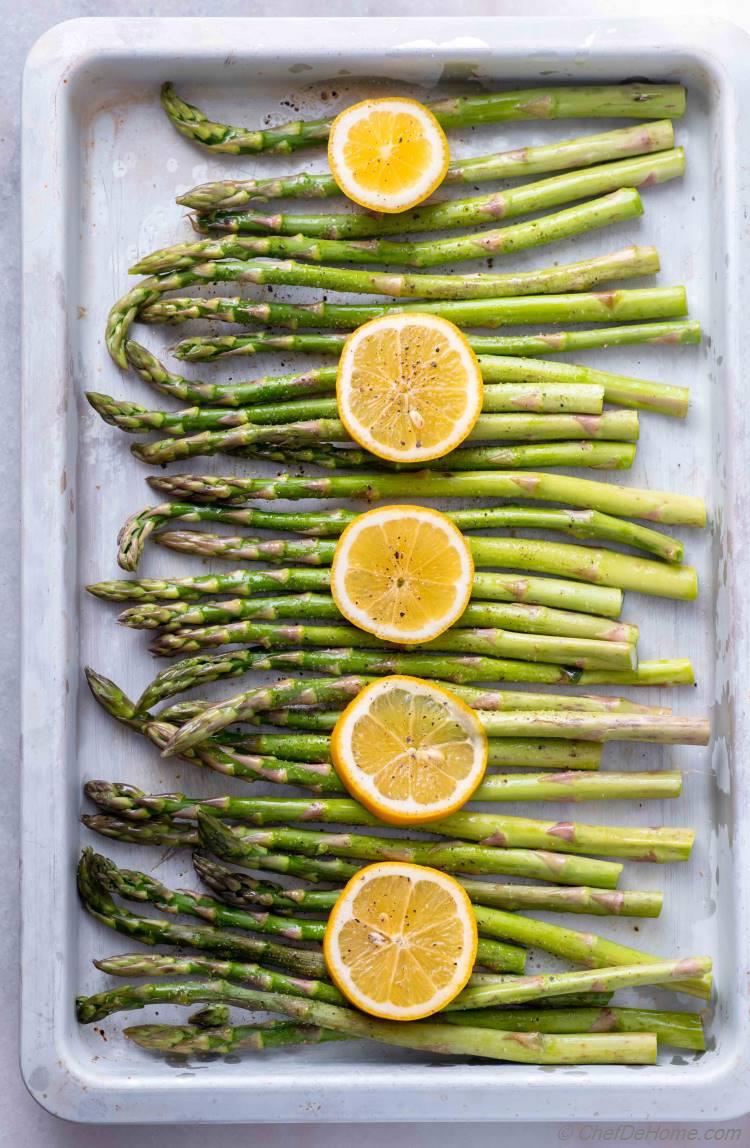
559,627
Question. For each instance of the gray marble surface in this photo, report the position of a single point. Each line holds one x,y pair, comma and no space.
22,1122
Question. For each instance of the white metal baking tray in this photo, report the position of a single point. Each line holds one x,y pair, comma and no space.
101,169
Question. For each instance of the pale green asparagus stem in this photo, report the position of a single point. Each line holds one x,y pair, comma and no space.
645,101
621,501
487,586
642,171
324,523
454,856
616,207
545,648
531,1048
239,888
584,151
208,348
658,845
252,400
540,723
593,307
582,563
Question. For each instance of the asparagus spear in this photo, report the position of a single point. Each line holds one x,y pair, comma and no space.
642,171
617,206
170,834
558,868
585,948
208,348
601,600
622,501
532,386
185,265
535,723
646,101
321,607
214,261
269,443
192,1039
678,1029
660,845
546,648
583,151
521,426
548,398
534,1048
136,886
592,307
321,778
547,754
228,431
601,567
325,523
238,888
691,970
152,931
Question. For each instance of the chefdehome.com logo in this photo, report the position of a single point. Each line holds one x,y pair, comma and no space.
651,1134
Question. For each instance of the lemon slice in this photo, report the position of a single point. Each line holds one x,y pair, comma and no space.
409,750
403,573
401,940
388,154
409,387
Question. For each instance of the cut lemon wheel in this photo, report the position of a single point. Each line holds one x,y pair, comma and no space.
403,573
409,750
387,154
409,387
401,940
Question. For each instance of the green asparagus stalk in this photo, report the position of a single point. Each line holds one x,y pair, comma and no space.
534,1048
660,845
601,567
188,268
209,348
238,888
692,971
232,261
584,151
617,206
584,948
557,868
519,426
644,101
172,835
324,523
621,501
165,964
601,600
612,426
678,1029
592,726
542,386
641,171
593,307
506,615
512,990
136,886
193,1040
545,648
454,670
152,931
548,754
547,398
